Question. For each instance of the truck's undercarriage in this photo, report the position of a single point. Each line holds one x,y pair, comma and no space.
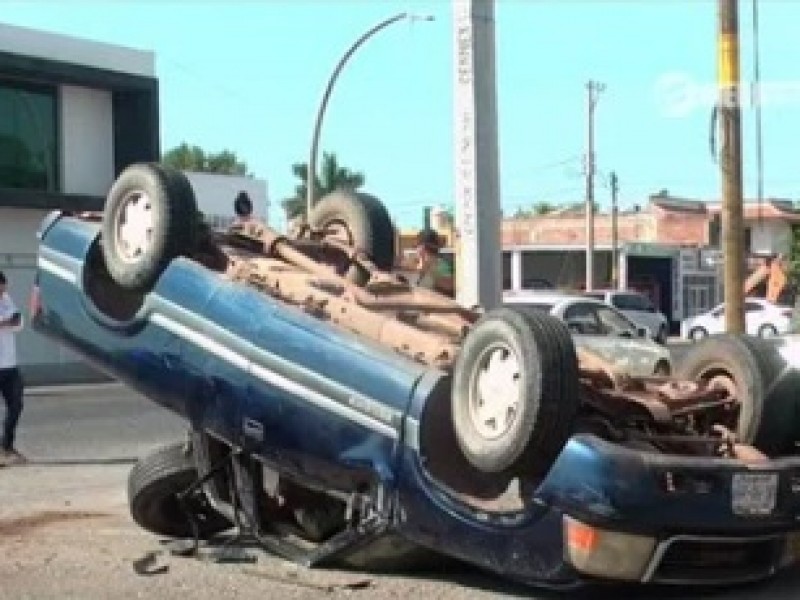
311,273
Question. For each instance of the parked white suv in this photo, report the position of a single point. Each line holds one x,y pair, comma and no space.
638,308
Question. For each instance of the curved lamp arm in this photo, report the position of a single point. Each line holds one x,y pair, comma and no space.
312,161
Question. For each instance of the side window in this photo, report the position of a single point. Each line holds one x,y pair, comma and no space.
582,318
626,302
752,307
618,301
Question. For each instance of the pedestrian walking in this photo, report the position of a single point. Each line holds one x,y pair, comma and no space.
11,385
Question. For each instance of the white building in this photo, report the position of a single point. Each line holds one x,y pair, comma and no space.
215,195
74,114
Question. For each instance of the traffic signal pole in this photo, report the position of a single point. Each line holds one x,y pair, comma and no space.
729,111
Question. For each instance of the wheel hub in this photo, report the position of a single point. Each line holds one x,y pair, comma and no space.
495,397
338,231
134,226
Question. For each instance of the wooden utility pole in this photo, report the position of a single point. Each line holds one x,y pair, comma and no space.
593,89
614,233
731,165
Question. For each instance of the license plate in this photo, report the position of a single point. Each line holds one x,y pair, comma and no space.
754,494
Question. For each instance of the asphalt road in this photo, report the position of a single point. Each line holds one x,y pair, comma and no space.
106,423
84,429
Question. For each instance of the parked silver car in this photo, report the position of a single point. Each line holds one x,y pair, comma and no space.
602,329
638,308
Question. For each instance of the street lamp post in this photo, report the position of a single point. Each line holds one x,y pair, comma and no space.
312,161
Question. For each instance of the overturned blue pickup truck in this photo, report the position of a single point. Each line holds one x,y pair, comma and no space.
342,415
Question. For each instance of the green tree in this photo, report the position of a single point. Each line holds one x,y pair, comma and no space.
332,177
540,208
194,158
580,207
543,207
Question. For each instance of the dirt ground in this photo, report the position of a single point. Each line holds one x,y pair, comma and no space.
65,533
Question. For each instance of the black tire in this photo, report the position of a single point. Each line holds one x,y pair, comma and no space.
154,484
169,199
780,417
565,396
542,414
365,224
729,360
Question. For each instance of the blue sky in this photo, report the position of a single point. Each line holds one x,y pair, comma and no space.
248,75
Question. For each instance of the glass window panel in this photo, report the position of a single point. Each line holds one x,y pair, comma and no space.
28,139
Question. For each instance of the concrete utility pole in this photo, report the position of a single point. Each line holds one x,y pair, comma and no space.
731,165
593,89
614,233
477,181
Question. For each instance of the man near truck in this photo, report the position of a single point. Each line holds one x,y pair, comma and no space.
11,385
433,270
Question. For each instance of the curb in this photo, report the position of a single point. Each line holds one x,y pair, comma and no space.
72,388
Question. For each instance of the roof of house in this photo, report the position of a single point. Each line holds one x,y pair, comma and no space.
672,203
770,208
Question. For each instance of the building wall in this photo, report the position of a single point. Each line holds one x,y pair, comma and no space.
561,230
40,44
107,117
562,268
681,228
87,141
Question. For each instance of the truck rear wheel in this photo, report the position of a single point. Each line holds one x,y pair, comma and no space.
779,427
729,362
360,221
515,393
154,485
150,217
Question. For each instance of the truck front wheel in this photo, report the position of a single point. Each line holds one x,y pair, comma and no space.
515,392
154,486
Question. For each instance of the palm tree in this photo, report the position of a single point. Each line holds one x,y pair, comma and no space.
333,177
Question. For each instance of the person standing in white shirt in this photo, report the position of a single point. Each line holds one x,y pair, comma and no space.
11,385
